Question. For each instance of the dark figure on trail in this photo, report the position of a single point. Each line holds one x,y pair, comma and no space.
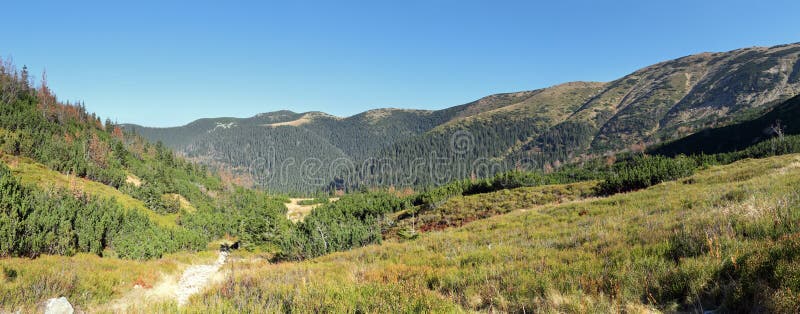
225,247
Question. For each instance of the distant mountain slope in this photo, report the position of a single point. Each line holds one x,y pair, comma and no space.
784,118
679,97
533,129
179,137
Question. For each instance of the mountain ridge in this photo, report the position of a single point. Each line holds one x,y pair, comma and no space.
538,128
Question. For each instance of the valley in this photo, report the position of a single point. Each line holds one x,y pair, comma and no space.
671,189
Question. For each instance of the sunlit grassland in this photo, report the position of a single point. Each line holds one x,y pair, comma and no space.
723,237
87,280
727,236
296,211
459,210
30,172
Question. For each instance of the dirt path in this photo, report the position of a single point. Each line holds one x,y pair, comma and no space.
193,280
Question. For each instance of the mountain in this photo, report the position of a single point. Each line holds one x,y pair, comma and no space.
538,129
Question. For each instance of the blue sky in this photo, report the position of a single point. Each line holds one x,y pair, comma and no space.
165,63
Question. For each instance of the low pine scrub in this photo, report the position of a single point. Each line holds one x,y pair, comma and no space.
645,171
354,220
35,222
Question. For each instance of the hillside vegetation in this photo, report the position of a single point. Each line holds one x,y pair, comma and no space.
71,183
723,239
33,173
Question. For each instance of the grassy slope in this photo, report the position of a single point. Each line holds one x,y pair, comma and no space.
593,255
459,210
627,251
86,280
554,103
31,172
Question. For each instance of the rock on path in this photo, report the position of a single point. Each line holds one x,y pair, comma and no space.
58,306
195,278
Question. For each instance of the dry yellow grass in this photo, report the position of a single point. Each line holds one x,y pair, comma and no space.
132,179
91,283
298,122
185,204
296,212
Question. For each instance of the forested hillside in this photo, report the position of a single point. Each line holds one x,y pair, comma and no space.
71,183
540,129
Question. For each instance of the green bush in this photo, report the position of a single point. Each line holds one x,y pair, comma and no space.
352,221
768,279
645,171
685,243
314,201
768,148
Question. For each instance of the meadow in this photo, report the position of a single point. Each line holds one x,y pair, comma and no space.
89,282
725,238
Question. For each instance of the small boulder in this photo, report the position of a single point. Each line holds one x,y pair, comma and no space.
58,306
